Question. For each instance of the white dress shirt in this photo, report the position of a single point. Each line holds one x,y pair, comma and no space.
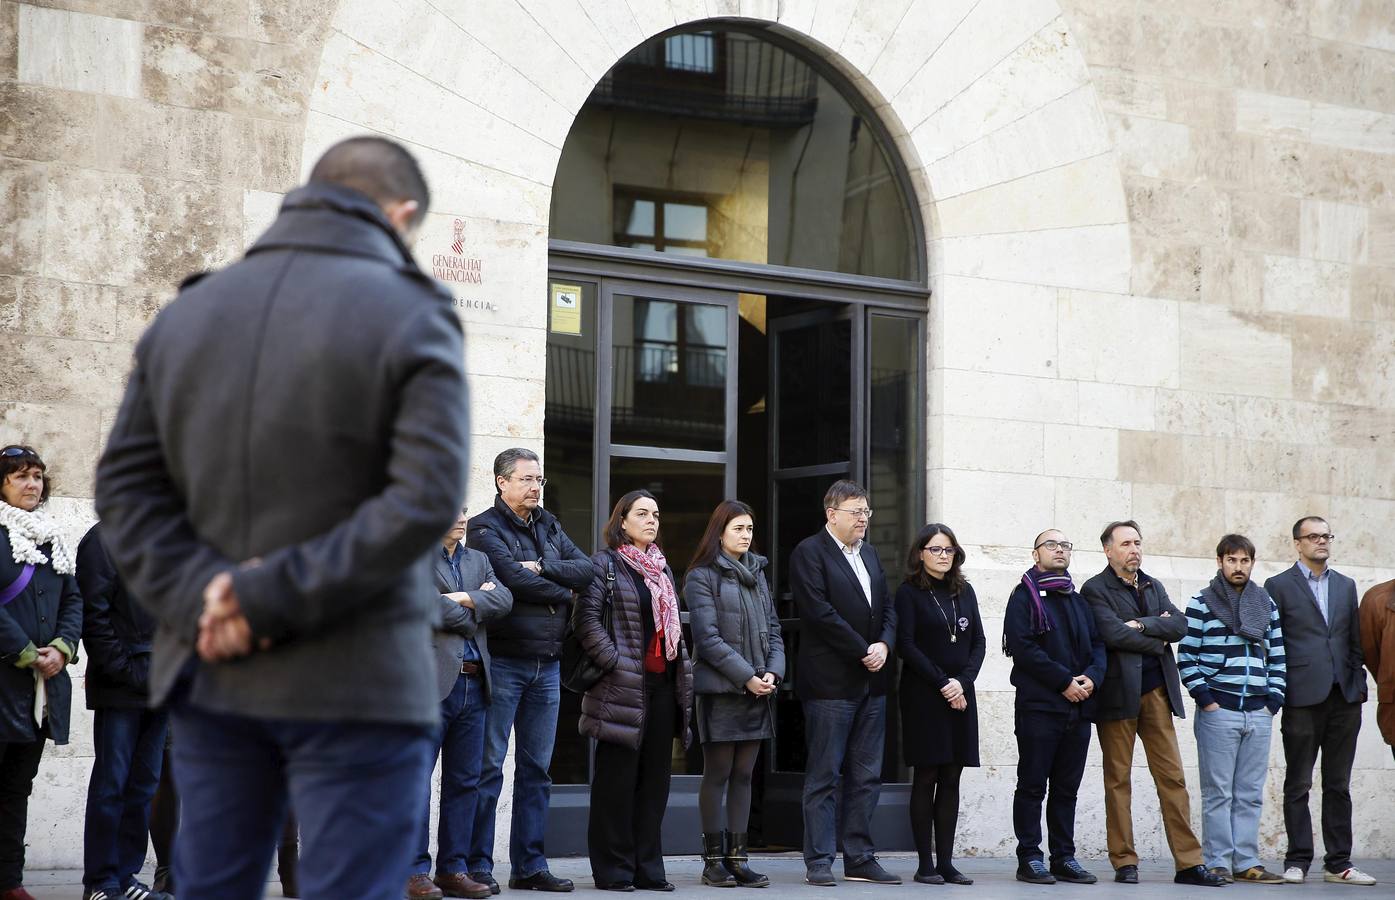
853,554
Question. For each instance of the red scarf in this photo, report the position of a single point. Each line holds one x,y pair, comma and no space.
652,565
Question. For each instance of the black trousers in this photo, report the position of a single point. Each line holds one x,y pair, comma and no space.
1051,751
19,763
629,793
1329,727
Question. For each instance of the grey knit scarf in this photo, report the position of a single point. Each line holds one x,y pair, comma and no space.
1246,614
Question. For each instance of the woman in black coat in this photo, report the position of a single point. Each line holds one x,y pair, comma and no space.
941,645
40,624
739,659
642,702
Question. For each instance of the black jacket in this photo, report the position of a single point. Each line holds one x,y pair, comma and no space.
1113,603
836,623
49,607
541,603
116,631
305,407
1319,653
1044,664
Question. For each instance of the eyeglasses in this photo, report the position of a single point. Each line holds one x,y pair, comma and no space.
863,513
1055,545
938,551
1318,538
530,480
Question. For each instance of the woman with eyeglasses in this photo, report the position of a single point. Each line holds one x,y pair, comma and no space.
941,645
40,624
739,659
642,702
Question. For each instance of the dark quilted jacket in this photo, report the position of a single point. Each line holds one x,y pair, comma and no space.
613,710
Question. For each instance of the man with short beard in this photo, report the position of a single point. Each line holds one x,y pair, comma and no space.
1232,663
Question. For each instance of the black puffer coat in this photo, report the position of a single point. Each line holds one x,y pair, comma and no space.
613,710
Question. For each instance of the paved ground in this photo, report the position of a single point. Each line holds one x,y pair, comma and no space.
993,879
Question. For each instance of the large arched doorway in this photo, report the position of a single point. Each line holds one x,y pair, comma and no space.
736,308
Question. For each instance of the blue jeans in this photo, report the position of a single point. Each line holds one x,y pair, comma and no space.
524,696
462,756
1232,752
843,774
1051,750
129,746
354,785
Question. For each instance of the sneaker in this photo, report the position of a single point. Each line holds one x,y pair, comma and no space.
1198,876
820,876
1071,871
1349,875
870,871
98,894
541,881
1223,873
1258,875
486,878
137,891
1034,871
1294,875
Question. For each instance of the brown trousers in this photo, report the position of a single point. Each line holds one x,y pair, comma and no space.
1154,726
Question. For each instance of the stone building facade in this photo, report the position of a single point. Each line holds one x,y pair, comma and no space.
1160,243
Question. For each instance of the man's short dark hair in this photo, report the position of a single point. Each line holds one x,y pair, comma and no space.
507,461
1235,543
1298,526
378,167
843,490
1107,536
27,458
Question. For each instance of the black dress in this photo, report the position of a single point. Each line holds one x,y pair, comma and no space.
932,733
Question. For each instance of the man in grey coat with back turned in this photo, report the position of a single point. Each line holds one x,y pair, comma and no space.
1322,706
293,440
470,597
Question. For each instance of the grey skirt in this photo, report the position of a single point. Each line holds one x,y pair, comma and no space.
734,717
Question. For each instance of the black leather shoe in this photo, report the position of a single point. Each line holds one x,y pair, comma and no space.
542,881
928,878
1034,871
485,878
1126,874
952,875
664,886
1199,876
623,887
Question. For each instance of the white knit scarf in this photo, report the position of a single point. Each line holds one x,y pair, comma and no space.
30,530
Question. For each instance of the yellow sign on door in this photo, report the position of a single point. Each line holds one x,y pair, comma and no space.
566,308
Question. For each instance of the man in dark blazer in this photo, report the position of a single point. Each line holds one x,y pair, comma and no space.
293,440
1140,696
1322,706
128,737
470,597
847,625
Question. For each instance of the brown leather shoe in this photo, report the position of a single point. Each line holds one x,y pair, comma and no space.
458,884
420,887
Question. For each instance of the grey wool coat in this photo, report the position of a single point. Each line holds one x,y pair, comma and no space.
613,709
722,629
460,622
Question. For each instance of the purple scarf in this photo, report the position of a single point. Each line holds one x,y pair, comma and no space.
1037,581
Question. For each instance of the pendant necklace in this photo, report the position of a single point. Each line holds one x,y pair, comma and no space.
953,605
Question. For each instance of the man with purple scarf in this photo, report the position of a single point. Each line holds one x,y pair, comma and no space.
1058,661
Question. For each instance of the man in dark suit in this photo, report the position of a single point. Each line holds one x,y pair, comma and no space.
293,440
847,627
1140,696
470,597
1322,706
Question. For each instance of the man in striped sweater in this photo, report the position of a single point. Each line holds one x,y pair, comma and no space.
1232,662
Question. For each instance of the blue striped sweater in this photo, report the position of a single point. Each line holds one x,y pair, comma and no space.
1219,667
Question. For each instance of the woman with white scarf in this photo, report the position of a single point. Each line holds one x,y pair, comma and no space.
40,624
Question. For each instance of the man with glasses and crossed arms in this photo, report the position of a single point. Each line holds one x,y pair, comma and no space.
1322,708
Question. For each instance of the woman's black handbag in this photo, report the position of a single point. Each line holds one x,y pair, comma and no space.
579,671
